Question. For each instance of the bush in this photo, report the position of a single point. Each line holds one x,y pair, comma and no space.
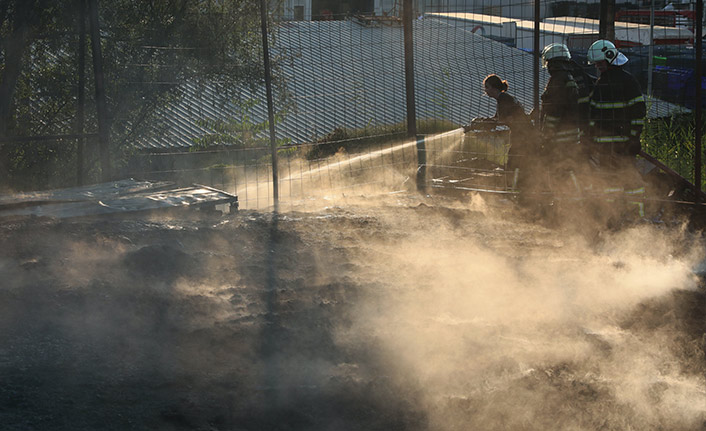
671,141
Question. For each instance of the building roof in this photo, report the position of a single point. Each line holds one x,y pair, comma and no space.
569,25
524,24
628,31
340,74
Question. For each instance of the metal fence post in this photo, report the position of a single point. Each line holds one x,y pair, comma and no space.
81,93
698,46
606,26
651,51
535,65
407,22
270,107
101,104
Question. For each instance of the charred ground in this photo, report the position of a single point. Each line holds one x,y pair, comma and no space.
254,321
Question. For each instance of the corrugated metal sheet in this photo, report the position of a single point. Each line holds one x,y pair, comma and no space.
124,196
83,193
341,74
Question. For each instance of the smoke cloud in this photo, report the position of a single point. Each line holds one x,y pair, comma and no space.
394,311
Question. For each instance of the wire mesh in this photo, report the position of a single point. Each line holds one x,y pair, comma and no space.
340,92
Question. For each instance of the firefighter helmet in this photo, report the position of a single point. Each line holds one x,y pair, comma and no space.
555,50
606,50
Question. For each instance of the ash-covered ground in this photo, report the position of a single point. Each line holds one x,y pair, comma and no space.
395,315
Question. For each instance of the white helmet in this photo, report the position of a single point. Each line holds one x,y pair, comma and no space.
606,50
555,50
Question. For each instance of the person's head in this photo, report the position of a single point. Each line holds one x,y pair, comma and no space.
493,86
603,54
556,52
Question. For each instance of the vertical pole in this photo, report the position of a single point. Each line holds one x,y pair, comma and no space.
407,22
81,96
698,47
535,66
651,50
101,104
606,25
270,107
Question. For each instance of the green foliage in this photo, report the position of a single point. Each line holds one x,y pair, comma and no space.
49,165
671,141
149,49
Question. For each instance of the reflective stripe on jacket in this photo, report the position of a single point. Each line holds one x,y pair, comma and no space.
559,115
617,111
585,85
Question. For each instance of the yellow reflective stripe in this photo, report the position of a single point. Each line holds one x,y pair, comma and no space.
638,121
551,118
613,105
584,99
632,192
575,181
640,207
610,138
569,132
515,177
608,105
637,191
633,132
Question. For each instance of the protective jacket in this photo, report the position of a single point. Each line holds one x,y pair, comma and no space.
559,114
523,136
584,82
617,112
509,111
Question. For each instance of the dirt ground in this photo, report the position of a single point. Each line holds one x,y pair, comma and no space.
397,315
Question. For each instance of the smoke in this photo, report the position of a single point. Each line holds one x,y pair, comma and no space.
502,325
380,311
484,321
303,183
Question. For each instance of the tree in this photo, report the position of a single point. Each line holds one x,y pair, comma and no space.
150,48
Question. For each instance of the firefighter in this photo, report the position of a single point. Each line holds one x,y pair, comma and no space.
616,117
585,85
617,107
559,115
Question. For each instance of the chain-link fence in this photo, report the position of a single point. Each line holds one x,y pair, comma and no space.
188,109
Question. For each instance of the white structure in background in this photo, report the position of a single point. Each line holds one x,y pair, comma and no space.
510,8
520,31
301,10
628,33
577,33
388,7
297,10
